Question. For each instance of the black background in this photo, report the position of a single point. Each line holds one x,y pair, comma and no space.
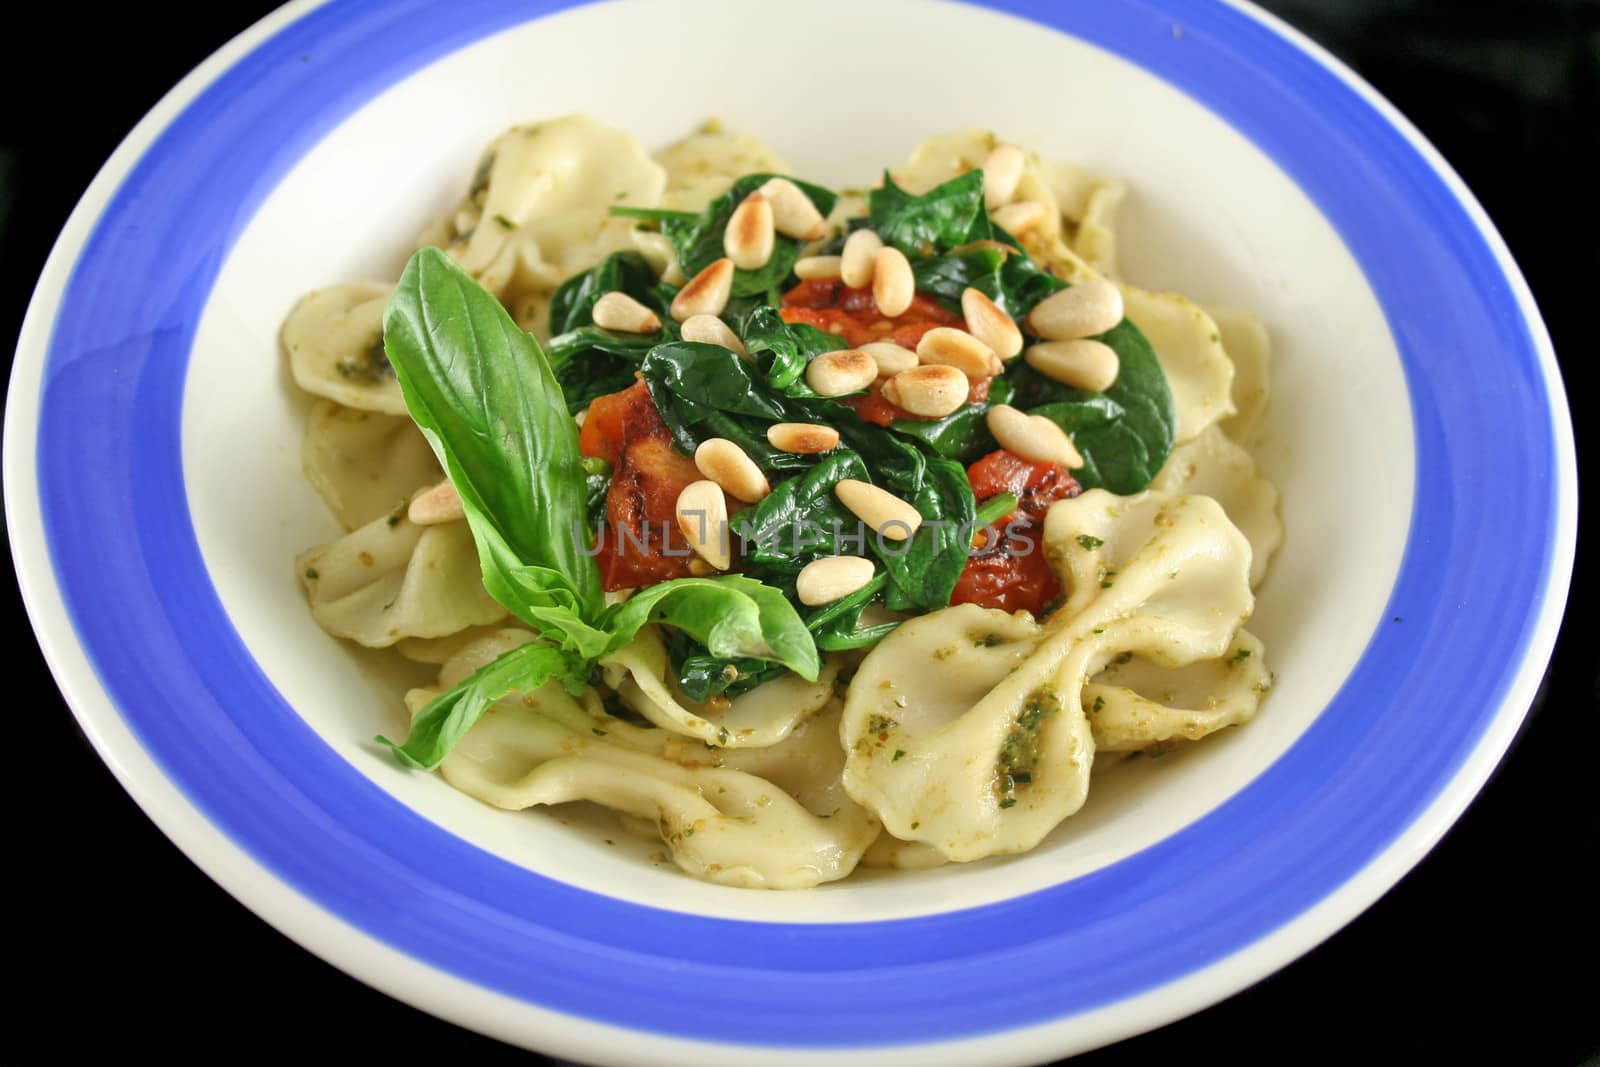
1486,951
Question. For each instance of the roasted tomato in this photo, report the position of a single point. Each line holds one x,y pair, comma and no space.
1012,573
875,409
641,544
829,304
1036,485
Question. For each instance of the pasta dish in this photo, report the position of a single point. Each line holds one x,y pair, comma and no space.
803,529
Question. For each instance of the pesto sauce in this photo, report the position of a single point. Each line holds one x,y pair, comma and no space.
1019,752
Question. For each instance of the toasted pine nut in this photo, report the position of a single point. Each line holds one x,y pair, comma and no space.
958,349
880,509
812,268
1002,170
1033,437
699,568
436,505
793,213
710,330
1081,363
989,323
802,438
893,284
749,237
726,464
822,581
891,358
1084,310
934,390
621,312
1022,216
703,518
856,261
837,373
707,292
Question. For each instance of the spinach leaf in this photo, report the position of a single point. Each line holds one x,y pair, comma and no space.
788,347
1125,433
964,435
702,676
572,306
707,391
450,715
590,362
596,483
731,615
800,520
699,241
837,626
483,395
947,215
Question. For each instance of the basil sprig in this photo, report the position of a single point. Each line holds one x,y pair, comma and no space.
484,396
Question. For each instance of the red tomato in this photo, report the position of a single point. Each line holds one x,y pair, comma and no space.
829,304
1036,485
1013,574
641,506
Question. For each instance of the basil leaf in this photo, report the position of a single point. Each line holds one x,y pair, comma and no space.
699,242
483,395
947,215
730,615
451,714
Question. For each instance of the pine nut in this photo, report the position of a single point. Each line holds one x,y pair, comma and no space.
934,390
822,581
793,213
1002,170
703,518
710,330
891,358
1082,364
726,464
880,509
699,568
749,237
858,257
989,323
1084,310
1033,437
1019,218
707,292
813,268
436,505
802,438
621,312
837,373
893,284
958,349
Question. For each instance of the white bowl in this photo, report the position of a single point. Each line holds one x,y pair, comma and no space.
1407,626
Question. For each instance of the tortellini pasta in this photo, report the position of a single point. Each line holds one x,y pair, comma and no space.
967,730
772,818
334,341
363,463
392,579
764,716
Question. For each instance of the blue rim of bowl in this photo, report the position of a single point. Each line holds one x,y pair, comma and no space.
1470,589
